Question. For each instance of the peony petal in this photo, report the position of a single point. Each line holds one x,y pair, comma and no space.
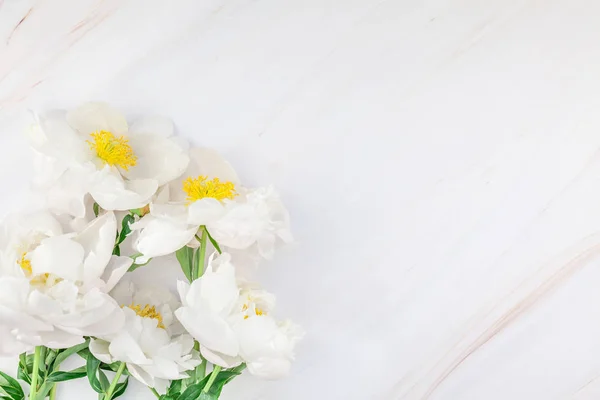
99,349
217,289
161,237
97,116
98,240
154,124
55,138
111,192
67,195
115,270
175,212
183,289
269,368
140,374
59,339
157,158
125,348
209,329
60,256
205,211
220,359
207,162
9,345
210,163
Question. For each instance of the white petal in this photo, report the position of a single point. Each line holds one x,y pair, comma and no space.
98,240
209,329
255,335
92,117
42,222
9,345
115,270
161,237
157,158
43,305
212,164
207,162
111,192
175,212
125,348
205,211
220,359
67,195
60,256
218,289
99,349
269,368
183,289
59,339
140,374
55,138
154,124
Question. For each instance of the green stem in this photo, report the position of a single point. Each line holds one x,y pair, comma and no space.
53,391
199,267
37,355
211,380
114,382
54,385
155,392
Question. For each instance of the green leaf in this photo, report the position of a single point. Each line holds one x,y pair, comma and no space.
125,228
92,365
11,387
213,241
60,376
44,390
104,382
120,388
63,355
222,379
50,358
185,256
194,392
113,367
174,388
137,211
23,370
117,251
96,208
135,266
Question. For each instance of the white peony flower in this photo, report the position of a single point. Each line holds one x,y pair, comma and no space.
266,345
235,325
209,194
151,343
93,150
53,285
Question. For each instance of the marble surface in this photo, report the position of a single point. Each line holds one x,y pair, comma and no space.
439,158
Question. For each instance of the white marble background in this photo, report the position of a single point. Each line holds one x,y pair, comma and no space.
439,158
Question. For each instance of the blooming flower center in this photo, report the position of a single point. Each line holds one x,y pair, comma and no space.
114,151
25,264
257,311
200,188
148,311
38,280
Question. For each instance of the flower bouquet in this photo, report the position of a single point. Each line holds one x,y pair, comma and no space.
118,197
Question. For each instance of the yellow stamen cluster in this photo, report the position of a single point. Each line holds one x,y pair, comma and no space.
114,151
38,280
25,264
259,312
200,188
148,311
